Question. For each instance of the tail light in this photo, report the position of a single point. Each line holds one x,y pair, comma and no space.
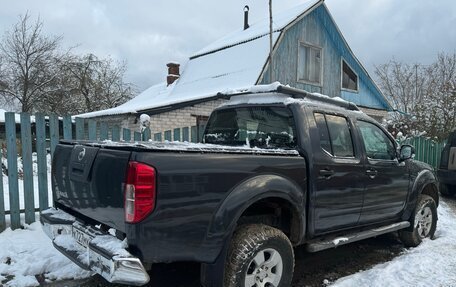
140,191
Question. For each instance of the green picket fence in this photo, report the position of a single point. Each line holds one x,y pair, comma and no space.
426,150
33,137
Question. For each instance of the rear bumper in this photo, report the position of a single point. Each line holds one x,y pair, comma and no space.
98,252
447,176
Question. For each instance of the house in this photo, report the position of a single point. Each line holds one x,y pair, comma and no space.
309,53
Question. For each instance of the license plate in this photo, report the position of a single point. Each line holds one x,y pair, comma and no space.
82,238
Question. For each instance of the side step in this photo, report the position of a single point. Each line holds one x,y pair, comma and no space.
331,242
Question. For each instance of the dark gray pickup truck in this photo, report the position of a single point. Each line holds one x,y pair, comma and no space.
279,168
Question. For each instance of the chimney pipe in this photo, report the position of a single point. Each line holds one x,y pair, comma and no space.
246,17
173,72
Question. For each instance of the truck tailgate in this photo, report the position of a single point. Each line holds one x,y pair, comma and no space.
90,180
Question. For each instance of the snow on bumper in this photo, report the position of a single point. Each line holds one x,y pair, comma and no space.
92,249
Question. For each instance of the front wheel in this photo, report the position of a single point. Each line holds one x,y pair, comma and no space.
259,256
423,222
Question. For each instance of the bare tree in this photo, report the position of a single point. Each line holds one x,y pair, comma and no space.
28,59
94,84
424,97
437,111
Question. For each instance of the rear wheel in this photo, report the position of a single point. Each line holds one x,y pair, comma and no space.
423,222
447,190
259,256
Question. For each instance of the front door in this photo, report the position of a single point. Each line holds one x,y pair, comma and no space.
338,175
387,180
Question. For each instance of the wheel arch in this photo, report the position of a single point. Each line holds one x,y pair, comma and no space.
425,183
267,188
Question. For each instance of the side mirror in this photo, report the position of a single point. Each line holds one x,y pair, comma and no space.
407,152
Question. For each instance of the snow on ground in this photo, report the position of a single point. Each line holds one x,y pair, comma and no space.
27,252
433,263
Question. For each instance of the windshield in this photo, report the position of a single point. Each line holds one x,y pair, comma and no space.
262,127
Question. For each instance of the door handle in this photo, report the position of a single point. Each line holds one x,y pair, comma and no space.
326,173
371,173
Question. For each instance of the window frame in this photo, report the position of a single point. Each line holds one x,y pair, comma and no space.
350,130
310,45
342,61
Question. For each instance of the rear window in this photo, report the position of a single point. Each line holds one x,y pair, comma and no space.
262,127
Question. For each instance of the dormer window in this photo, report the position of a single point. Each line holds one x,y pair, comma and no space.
349,78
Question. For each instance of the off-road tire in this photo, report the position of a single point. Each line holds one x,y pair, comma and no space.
447,190
247,242
410,236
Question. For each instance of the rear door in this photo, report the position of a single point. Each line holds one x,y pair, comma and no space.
338,174
386,180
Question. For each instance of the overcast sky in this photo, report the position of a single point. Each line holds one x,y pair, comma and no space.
148,34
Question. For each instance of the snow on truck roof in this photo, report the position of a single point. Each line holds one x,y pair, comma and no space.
278,93
227,63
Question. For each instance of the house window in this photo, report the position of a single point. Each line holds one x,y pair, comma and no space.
310,64
349,78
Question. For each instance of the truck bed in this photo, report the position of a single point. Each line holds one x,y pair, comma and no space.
192,182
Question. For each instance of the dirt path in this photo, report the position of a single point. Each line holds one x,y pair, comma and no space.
312,269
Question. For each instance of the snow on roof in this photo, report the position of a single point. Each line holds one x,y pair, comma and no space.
235,68
259,29
218,70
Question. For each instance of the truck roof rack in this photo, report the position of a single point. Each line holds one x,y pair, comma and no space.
294,93
302,94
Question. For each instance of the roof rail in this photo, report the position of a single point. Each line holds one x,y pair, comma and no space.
292,92
301,94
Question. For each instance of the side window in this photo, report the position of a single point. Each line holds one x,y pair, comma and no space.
378,145
323,131
335,136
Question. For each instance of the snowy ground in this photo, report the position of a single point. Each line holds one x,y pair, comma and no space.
433,263
27,257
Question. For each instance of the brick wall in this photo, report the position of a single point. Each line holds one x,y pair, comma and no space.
184,117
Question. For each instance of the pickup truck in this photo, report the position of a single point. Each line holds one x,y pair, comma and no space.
278,167
446,172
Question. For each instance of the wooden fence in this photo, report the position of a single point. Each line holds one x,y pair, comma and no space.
426,150
35,139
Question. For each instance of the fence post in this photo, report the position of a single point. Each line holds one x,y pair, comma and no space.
115,133
168,135
146,134
194,134
92,126
80,135
27,167
185,134
10,123
177,134
158,137
53,132
137,136
67,128
41,154
2,198
126,135
103,131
